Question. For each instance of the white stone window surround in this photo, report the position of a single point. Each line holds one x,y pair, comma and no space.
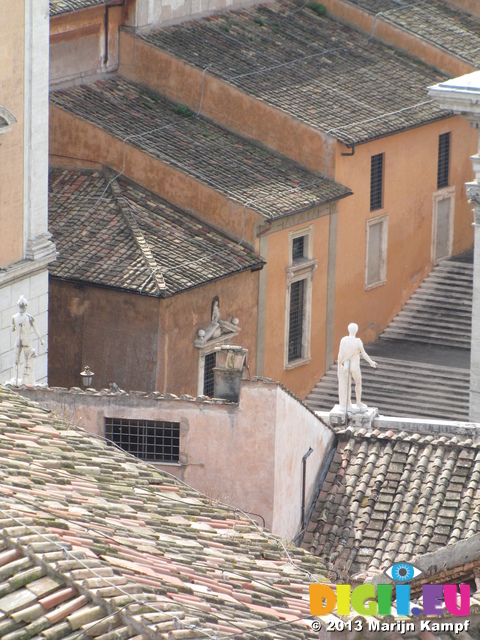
205,351
383,248
301,269
447,193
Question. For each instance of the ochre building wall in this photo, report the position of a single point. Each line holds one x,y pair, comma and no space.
410,179
301,377
223,103
71,136
139,342
398,38
85,42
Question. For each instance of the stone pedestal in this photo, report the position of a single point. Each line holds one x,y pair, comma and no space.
357,417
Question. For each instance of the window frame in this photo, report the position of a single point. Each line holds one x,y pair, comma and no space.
144,424
383,220
447,193
300,269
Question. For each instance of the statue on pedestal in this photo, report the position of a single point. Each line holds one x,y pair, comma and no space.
351,348
23,323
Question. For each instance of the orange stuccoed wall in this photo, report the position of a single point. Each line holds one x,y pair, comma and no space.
140,342
410,180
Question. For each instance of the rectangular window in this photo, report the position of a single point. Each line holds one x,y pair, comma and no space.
376,182
153,440
299,247
208,381
443,160
376,267
295,332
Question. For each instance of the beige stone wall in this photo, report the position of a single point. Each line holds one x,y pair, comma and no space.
247,455
25,248
12,41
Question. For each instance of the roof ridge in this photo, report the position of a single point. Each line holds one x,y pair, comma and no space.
139,238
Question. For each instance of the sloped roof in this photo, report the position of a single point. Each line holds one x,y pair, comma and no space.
390,496
268,183
93,536
58,7
317,70
434,21
114,233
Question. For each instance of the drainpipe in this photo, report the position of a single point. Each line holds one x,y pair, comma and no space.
304,480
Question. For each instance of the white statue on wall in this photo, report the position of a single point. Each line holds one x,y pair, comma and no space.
351,348
23,323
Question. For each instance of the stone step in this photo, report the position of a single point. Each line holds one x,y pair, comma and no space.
393,334
442,325
386,379
406,367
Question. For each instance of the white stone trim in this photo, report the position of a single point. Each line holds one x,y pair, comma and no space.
383,220
205,351
448,193
308,233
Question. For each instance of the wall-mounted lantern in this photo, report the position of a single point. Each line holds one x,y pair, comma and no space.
87,376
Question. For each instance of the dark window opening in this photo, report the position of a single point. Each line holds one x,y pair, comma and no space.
299,248
208,381
443,160
295,329
376,182
154,440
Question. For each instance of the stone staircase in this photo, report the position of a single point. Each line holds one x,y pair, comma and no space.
440,311
415,353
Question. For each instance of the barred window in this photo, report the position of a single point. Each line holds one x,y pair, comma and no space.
443,160
295,331
376,182
153,440
299,248
208,380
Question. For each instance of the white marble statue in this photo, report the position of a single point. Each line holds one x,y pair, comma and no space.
23,323
351,348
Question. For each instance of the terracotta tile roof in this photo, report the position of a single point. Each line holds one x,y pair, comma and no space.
242,171
315,69
66,6
92,536
434,21
116,234
388,497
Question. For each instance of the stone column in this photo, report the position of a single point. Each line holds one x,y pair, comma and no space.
462,96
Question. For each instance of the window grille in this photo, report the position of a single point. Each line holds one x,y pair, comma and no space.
208,380
298,248
443,160
376,182
295,331
154,440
